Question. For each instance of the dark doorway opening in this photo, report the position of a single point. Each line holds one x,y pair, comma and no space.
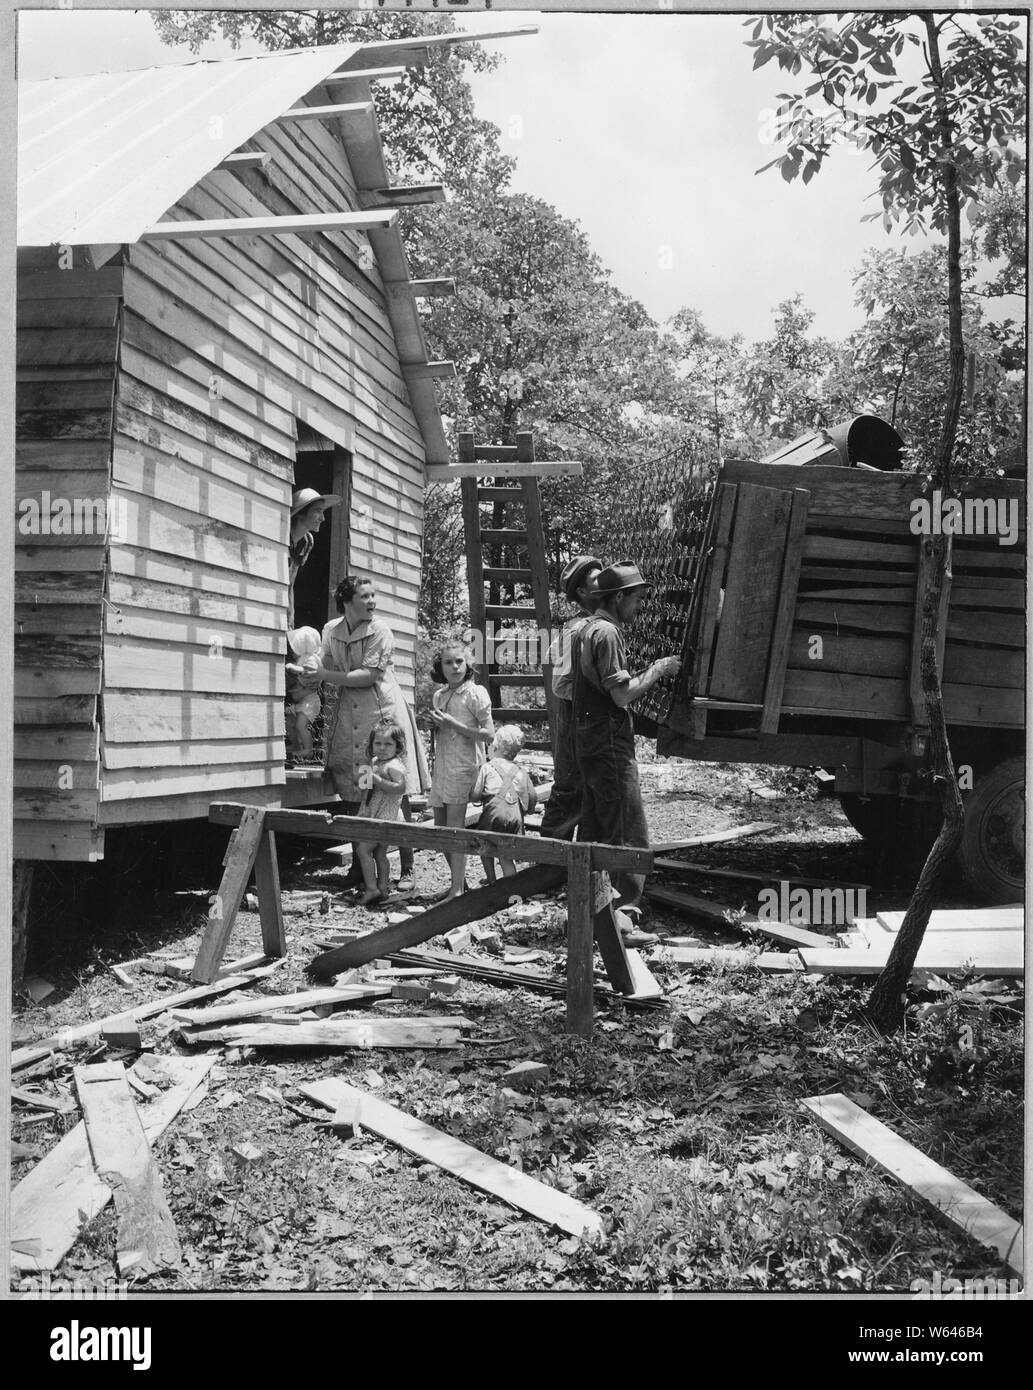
322,465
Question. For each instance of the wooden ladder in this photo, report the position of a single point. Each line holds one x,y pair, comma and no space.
486,552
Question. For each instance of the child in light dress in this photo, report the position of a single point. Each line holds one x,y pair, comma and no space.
462,730
303,701
383,801
506,792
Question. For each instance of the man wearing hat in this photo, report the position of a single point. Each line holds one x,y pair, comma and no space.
563,809
604,740
307,508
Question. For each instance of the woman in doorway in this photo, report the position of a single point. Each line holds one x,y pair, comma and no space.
356,659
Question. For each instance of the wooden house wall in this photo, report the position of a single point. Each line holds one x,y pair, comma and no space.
65,357
224,344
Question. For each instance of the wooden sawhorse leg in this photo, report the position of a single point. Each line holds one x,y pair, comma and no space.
251,846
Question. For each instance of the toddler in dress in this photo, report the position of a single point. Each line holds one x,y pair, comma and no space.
303,700
461,714
507,794
382,801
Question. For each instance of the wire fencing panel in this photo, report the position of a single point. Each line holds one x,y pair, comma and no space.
657,521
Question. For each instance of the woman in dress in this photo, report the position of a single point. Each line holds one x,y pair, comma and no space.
356,660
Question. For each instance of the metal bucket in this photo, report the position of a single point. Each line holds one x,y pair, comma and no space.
865,439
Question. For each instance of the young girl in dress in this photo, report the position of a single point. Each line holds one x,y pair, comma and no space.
507,794
462,721
383,801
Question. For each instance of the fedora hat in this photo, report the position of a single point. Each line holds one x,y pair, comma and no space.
617,578
307,495
574,574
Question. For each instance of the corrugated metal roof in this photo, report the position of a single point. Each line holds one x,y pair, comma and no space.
102,157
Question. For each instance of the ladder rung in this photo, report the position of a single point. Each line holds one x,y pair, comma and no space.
489,536
525,716
500,494
498,453
513,575
515,611
515,678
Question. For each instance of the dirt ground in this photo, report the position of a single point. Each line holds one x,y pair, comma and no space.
679,1124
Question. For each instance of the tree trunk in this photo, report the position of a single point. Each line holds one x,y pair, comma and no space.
887,1000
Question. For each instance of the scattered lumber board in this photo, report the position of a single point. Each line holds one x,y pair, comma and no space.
646,987
61,1105
462,1160
512,976
50,1204
374,1032
684,866
715,912
482,902
33,1052
270,1003
716,837
870,1139
995,919
932,955
775,961
147,1239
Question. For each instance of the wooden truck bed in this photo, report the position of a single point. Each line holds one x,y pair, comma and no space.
807,601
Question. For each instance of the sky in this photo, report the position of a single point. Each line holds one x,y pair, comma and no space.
646,129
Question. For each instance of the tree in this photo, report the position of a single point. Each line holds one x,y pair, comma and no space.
897,362
544,341
782,379
941,137
431,132
710,368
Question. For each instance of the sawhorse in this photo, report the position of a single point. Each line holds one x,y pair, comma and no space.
584,867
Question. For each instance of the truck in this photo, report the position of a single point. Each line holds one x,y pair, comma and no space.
801,624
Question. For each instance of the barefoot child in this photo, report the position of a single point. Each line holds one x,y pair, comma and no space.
383,801
507,793
462,722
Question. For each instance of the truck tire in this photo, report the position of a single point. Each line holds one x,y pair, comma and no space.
865,814
992,850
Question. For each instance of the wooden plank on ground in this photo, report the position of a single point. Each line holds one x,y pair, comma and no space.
715,837
239,861
33,1052
646,987
715,913
876,1143
462,1160
265,1003
147,1240
935,955
482,902
1000,919
774,877
374,1032
63,1192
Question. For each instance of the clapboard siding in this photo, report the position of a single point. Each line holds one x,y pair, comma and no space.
65,356
150,672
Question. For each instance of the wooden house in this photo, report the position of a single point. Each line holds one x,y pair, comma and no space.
214,307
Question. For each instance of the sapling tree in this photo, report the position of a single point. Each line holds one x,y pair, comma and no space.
939,101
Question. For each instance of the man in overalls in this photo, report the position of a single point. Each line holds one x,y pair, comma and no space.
563,809
604,740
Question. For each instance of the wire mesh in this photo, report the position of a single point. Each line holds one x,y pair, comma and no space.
657,521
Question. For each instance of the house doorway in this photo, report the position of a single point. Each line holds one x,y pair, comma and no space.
325,466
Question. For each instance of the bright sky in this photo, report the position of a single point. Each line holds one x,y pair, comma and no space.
646,129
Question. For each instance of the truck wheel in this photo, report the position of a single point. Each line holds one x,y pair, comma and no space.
992,850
